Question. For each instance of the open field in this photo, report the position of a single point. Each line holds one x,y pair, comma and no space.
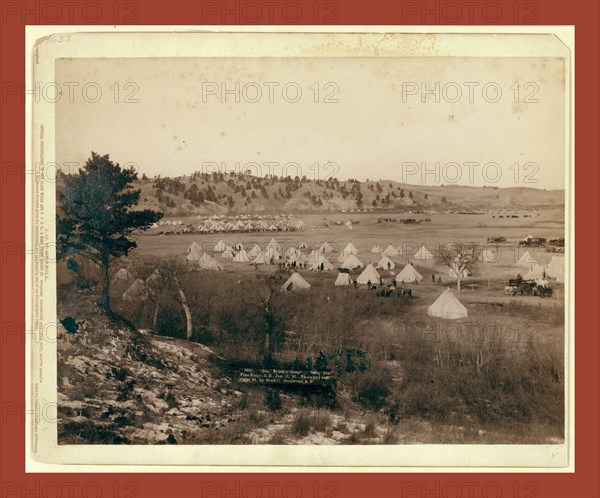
495,376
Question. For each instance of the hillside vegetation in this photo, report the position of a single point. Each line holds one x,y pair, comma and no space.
223,193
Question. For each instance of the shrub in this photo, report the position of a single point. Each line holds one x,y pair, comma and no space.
371,389
273,400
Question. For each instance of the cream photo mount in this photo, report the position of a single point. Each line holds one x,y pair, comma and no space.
47,44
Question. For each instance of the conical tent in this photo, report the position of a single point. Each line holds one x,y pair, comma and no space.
314,256
210,263
327,266
271,252
369,274
556,268
259,260
228,253
535,272
487,256
447,306
195,253
326,248
136,292
242,256
350,249
122,274
295,282
526,260
408,275
376,249
385,263
220,247
255,251
273,243
423,254
343,279
352,262
390,251
194,246
153,277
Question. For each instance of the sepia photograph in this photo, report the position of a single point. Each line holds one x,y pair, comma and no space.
355,239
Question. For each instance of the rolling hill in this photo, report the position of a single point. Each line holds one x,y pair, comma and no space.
235,193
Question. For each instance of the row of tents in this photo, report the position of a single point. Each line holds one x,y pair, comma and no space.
446,306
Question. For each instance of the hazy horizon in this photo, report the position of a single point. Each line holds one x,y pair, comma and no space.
183,123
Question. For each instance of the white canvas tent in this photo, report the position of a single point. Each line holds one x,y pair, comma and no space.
295,282
327,266
376,249
535,272
352,262
210,263
556,268
136,292
350,249
194,246
408,275
369,274
326,248
447,306
385,263
343,278
526,260
254,251
195,253
228,253
122,274
487,256
423,254
242,256
390,251
220,247
259,260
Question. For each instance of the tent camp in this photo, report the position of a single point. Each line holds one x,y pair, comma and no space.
556,268
352,262
327,266
385,263
242,256
295,282
369,274
376,249
447,306
526,260
272,253
343,278
408,275
423,254
390,251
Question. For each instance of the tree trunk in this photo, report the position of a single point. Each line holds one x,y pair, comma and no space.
155,317
105,302
458,281
188,314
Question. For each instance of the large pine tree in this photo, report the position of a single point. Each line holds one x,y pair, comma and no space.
95,215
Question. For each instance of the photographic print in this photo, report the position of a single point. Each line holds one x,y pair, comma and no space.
292,242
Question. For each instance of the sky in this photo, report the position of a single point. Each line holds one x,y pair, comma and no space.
361,118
